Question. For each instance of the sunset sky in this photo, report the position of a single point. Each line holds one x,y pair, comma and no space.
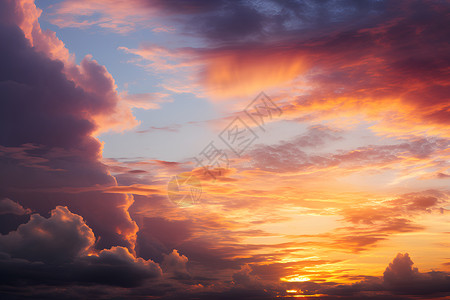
214,149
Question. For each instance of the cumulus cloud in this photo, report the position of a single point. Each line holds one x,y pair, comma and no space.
59,250
400,281
116,266
60,238
92,77
401,277
175,264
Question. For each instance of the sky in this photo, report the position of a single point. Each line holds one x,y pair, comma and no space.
155,149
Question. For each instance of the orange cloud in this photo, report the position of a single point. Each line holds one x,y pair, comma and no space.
246,72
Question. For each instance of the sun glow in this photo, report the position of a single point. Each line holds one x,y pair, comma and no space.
295,278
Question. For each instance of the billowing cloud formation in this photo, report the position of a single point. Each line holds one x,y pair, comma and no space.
401,277
59,251
400,281
176,265
60,238
117,266
89,75
48,119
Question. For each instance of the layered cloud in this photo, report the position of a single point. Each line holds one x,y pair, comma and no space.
296,155
323,73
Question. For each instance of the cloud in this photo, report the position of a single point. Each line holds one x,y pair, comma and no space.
442,175
49,156
169,128
378,220
245,278
7,206
222,72
60,238
401,277
121,17
159,235
95,79
214,20
108,112
175,264
59,250
399,281
146,100
52,109
116,266
417,201
295,155
356,67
